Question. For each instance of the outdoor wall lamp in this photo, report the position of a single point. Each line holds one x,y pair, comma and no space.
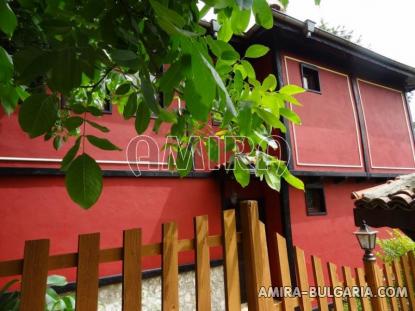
367,241
309,27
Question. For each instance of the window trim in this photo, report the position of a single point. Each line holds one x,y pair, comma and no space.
311,67
315,186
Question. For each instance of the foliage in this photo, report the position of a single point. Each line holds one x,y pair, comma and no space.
393,248
90,52
340,31
9,301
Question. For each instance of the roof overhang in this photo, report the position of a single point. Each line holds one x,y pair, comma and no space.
388,205
290,32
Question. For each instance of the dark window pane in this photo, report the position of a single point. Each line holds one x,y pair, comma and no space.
311,79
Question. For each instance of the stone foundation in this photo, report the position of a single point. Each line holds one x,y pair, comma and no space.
110,296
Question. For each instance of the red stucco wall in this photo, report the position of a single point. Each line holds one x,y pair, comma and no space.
330,236
38,207
328,138
388,130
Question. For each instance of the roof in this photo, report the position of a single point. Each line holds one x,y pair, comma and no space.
398,193
350,49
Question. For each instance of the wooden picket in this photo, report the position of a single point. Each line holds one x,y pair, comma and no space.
303,284
361,282
231,267
36,263
202,264
87,272
334,280
131,287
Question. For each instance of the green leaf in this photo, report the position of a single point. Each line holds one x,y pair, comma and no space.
269,83
125,58
240,20
98,126
30,63
263,14
225,31
167,14
56,280
84,181
273,179
291,89
292,180
131,106
184,162
200,89
230,55
142,118
73,123
213,149
317,2
219,82
70,155
57,142
8,97
172,77
102,143
149,94
123,89
245,119
94,110
250,71
290,99
8,20
241,172
271,119
167,116
290,115
38,114
66,71
6,66
256,51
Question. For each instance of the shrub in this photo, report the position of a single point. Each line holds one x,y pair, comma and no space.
9,301
397,245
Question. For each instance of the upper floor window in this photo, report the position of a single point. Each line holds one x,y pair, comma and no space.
315,200
310,78
107,106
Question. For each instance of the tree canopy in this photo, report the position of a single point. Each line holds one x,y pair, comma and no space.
93,51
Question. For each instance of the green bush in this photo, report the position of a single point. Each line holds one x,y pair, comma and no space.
9,301
397,245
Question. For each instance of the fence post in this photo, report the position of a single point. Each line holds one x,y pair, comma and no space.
374,283
253,265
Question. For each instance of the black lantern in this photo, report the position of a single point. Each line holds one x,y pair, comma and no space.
367,240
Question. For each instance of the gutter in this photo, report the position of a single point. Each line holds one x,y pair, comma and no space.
351,48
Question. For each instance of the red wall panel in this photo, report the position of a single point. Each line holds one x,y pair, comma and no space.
388,130
330,236
329,137
15,143
39,207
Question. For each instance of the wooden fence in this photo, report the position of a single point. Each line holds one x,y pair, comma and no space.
36,263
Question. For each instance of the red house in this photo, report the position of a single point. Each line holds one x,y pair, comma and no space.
355,132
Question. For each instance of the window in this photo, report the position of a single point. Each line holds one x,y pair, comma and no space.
310,77
314,199
107,106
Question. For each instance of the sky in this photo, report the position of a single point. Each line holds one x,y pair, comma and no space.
386,27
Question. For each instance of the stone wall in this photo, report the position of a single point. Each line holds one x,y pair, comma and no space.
110,296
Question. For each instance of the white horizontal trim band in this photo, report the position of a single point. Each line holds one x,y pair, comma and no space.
55,160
